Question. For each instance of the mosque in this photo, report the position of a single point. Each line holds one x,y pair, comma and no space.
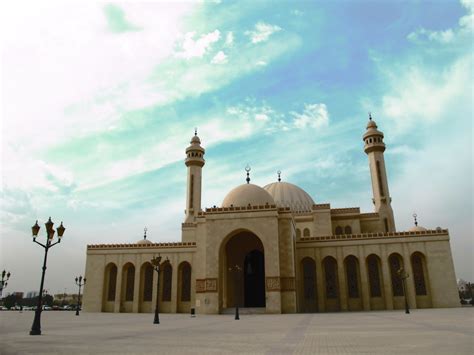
272,249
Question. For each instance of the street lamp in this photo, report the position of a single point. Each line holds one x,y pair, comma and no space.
36,327
236,269
80,283
403,276
157,265
4,281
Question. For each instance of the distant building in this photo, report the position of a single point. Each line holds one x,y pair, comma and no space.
274,248
32,294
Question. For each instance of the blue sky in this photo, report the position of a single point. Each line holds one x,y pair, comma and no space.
99,101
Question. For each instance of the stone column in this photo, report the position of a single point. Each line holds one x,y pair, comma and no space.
154,292
118,287
174,284
320,281
341,276
409,281
364,282
136,288
387,280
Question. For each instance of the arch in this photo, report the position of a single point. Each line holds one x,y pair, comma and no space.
184,287
109,287
298,233
331,283
395,262
306,232
352,269
167,273
420,280
338,230
347,230
309,294
146,287
374,273
128,287
245,287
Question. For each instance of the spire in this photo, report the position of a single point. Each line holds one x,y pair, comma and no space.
195,131
247,169
370,116
279,175
414,217
144,235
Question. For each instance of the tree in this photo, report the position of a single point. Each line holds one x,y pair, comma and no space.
11,300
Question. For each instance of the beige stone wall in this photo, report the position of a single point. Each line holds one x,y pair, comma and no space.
438,267
94,298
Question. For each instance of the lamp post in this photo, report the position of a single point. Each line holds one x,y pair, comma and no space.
403,276
4,281
80,283
236,269
36,327
156,262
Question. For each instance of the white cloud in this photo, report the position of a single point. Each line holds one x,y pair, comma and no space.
313,115
262,32
197,48
229,39
219,58
466,26
261,63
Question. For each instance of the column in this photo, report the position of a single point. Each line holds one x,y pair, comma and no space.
341,276
409,281
320,281
118,287
387,280
364,282
174,284
154,293
136,288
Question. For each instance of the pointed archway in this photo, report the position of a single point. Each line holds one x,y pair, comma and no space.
243,251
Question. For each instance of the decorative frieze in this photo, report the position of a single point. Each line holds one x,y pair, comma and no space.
272,283
288,283
143,246
206,285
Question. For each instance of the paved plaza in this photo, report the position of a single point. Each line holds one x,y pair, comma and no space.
430,331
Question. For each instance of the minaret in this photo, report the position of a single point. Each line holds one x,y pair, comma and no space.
194,161
374,148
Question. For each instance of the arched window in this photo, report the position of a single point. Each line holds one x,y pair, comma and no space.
130,283
309,278
191,192
395,262
338,230
298,233
418,274
148,283
185,282
374,275
330,270
306,232
167,274
347,230
379,178
352,276
111,287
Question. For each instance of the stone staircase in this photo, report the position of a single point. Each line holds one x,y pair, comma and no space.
245,310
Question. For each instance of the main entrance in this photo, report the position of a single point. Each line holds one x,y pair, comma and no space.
243,271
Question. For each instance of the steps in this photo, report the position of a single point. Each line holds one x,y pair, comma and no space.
245,310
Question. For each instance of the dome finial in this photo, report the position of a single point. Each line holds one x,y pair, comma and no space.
370,116
195,131
279,175
247,169
414,217
145,230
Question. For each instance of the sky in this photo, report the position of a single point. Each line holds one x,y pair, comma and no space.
100,99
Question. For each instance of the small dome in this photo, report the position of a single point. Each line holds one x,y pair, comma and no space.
289,195
417,229
371,124
195,140
246,194
144,241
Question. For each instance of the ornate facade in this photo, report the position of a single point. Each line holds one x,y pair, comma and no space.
274,250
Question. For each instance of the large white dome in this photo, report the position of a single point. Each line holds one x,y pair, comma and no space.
246,194
289,195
